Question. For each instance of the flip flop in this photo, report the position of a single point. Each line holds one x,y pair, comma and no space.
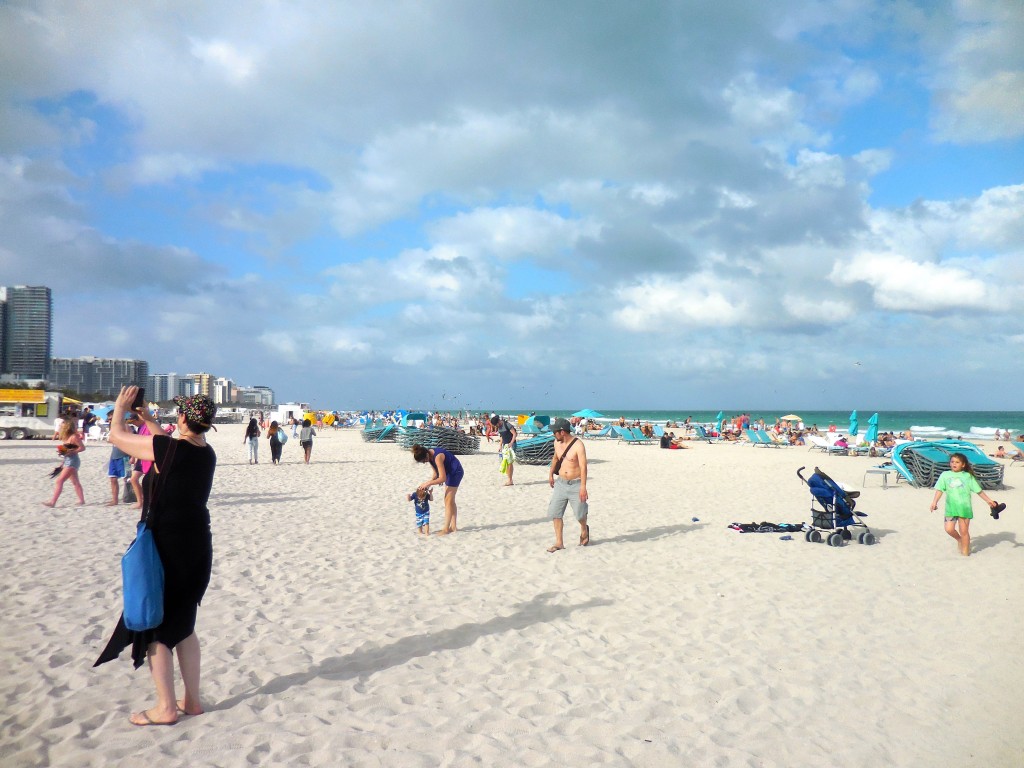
997,509
554,549
144,714
585,537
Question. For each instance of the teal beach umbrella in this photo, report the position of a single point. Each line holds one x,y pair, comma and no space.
853,423
872,434
718,422
588,413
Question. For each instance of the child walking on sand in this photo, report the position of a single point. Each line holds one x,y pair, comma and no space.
958,483
421,499
71,445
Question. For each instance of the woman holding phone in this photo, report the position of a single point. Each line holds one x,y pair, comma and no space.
180,521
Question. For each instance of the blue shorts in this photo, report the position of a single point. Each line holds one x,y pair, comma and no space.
567,492
115,468
73,461
422,518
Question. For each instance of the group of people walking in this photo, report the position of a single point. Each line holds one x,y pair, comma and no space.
277,435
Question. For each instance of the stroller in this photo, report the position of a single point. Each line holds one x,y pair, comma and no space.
836,514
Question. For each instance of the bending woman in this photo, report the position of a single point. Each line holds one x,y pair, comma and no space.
180,521
448,472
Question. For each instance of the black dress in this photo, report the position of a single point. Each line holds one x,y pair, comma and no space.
180,522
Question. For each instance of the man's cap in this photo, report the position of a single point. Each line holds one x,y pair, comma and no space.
561,424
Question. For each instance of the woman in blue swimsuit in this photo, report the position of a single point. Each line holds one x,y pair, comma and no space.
448,472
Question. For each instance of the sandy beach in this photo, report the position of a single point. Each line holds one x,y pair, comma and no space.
333,635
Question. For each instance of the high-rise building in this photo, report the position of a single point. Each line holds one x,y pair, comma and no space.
163,387
259,396
204,382
223,390
26,332
99,375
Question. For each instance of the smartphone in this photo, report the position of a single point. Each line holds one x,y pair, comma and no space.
140,399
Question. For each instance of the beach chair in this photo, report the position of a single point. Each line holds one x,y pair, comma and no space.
921,462
833,512
627,435
640,436
773,440
607,432
702,433
754,437
818,443
1020,455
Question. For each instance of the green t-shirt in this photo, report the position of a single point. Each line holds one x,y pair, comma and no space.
958,487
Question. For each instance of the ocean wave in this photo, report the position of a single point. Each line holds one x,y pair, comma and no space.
935,432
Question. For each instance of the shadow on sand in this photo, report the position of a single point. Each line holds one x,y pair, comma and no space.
987,540
649,534
376,658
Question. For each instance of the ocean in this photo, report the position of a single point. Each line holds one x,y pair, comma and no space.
978,425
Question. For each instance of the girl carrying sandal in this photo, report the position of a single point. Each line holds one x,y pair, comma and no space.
958,483
71,445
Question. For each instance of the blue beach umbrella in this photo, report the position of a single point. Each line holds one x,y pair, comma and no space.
853,423
872,434
718,422
588,413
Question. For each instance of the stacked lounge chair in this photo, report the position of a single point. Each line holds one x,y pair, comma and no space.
454,440
921,463
537,450
414,429
379,432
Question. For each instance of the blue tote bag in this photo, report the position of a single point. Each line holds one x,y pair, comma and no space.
142,572
142,578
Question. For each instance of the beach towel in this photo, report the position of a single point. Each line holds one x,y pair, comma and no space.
508,456
766,527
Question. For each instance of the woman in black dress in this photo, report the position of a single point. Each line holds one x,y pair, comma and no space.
176,493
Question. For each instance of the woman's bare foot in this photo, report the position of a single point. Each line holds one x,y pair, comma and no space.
50,504
110,504
191,711
150,717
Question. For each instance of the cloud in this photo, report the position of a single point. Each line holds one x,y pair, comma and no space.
373,202
979,81
904,285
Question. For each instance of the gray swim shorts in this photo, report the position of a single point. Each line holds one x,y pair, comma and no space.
567,492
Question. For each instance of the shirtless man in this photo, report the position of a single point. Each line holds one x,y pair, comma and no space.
568,477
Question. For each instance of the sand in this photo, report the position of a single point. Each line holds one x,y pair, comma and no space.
333,635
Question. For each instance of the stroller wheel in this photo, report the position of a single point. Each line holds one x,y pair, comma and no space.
813,536
867,538
836,540
846,534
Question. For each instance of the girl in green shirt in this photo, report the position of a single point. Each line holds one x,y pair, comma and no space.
958,483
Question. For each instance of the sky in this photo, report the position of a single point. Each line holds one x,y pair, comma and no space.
542,205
